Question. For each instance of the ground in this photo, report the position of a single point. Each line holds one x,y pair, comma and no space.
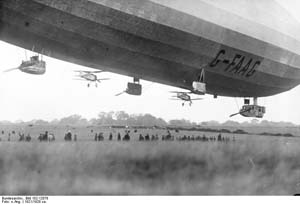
250,165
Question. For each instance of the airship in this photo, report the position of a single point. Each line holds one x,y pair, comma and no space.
235,48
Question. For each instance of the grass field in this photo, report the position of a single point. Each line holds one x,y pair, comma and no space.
252,165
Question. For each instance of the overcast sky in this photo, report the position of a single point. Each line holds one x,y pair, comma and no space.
56,94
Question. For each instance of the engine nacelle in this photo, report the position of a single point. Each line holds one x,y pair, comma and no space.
35,66
134,89
253,111
199,87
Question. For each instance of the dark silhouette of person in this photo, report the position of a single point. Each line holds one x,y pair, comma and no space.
68,136
100,136
28,138
119,137
219,137
21,137
147,137
168,136
141,138
126,137
45,136
204,138
110,136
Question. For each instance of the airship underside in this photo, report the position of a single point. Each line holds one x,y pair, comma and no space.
165,41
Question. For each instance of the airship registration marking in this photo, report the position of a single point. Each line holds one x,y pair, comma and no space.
239,64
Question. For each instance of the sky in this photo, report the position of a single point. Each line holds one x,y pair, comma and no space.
56,94
292,6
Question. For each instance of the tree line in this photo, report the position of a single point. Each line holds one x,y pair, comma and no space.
121,118
118,118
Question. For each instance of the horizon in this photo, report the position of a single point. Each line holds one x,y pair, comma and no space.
252,122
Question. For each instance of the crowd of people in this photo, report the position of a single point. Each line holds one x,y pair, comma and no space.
100,136
22,137
167,137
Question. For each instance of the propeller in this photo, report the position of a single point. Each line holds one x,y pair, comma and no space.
99,80
100,71
121,93
234,114
89,72
180,92
12,69
196,99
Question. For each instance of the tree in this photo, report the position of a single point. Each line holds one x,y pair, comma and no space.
121,116
181,122
75,120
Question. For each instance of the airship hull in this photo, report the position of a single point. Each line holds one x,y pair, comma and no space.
149,40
